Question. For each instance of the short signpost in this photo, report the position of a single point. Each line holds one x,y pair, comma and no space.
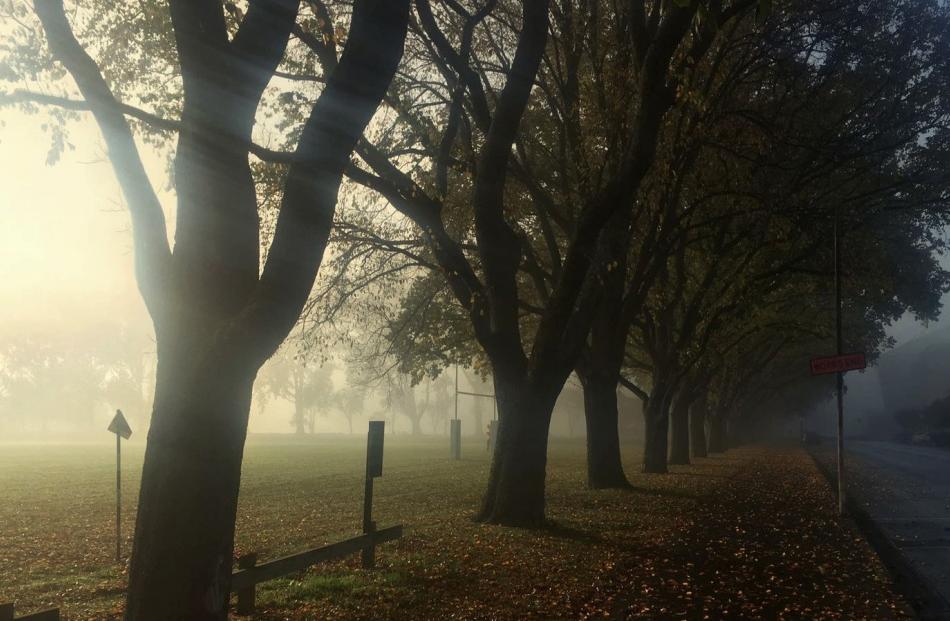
838,364
120,427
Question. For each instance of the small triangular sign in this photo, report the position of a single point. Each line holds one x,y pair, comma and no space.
120,426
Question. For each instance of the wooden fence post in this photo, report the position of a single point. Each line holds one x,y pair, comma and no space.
44,615
368,555
7,613
455,439
245,595
374,468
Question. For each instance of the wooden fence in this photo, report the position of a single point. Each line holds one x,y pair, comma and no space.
7,613
250,574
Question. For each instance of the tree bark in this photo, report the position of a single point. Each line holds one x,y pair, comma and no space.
184,531
679,431
515,492
717,435
604,467
697,427
601,360
656,432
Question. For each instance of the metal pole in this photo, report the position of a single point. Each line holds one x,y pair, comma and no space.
840,375
456,391
118,498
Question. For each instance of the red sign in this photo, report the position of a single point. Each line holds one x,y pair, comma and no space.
837,364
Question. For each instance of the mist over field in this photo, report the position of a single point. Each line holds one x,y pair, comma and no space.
398,310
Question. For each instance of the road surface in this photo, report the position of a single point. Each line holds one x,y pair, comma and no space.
906,491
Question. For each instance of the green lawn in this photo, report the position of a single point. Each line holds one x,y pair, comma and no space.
57,512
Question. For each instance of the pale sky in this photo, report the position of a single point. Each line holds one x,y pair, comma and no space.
65,244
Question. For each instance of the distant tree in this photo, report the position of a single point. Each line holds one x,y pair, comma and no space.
293,375
479,405
350,403
50,375
484,215
933,419
44,383
785,135
402,397
128,352
439,400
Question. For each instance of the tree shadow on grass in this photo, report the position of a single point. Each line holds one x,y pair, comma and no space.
704,475
563,531
663,492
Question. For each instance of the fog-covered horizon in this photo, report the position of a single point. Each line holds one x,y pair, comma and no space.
69,273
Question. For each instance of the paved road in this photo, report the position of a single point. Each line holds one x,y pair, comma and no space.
906,491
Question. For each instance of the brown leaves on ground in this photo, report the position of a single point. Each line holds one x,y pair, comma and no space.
750,534
765,545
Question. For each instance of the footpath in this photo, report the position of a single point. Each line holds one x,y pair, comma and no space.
765,545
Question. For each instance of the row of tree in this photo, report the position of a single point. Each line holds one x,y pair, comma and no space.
640,193
368,387
662,218
51,378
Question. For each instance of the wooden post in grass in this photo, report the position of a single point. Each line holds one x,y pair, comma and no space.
7,613
374,468
245,595
455,441
44,615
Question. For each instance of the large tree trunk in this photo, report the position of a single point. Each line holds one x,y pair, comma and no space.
515,493
697,427
184,532
656,433
717,433
604,468
599,365
679,431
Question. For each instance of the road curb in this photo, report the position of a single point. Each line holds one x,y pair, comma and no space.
927,603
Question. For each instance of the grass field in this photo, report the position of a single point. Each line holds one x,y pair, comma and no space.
57,531
57,508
